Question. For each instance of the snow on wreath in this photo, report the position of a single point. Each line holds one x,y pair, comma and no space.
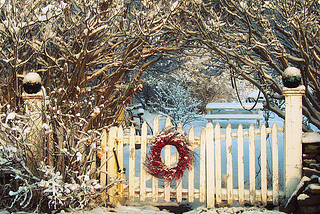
154,163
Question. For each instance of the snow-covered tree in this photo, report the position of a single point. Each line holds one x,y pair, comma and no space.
170,95
90,56
258,40
93,51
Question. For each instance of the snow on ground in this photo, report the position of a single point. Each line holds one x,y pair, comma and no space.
148,209
153,210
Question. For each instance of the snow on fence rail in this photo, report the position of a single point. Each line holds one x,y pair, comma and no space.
234,111
211,189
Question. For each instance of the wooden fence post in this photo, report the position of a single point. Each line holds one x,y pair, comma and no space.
34,111
252,166
132,159
191,170
210,177
179,181
217,142
112,166
155,181
103,168
293,138
203,177
121,170
167,153
143,173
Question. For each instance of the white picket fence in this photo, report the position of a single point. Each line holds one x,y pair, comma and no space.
209,176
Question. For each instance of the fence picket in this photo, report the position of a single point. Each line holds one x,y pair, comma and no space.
240,165
252,165
155,181
210,166
132,158
179,181
263,149
93,166
111,164
167,154
191,170
202,188
143,173
229,165
275,165
217,138
103,167
120,161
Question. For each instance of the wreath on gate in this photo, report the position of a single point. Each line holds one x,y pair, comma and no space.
154,163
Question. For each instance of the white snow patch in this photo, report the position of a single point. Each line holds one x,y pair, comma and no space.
302,197
95,112
146,209
11,116
32,78
45,126
27,130
79,156
310,137
312,187
300,185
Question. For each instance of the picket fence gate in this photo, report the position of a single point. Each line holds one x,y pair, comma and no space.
210,188
210,175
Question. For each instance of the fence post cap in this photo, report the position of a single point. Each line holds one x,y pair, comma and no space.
300,90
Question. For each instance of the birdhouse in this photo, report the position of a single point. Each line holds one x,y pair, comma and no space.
291,77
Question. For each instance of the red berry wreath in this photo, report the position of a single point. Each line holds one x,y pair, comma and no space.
154,163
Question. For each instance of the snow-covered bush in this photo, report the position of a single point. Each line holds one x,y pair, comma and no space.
17,183
171,96
52,166
77,194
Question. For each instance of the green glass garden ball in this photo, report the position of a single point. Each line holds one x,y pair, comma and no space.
32,83
291,77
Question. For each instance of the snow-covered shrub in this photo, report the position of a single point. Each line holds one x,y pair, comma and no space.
171,96
50,166
17,183
173,99
77,194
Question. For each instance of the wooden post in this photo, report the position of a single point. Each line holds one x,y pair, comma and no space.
143,173
210,177
275,165
120,175
155,181
132,159
203,177
179,181
191,170
34,111
252,165
240,165
112,166
167,154
103,168
217,141
263,149
293,138
229,165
